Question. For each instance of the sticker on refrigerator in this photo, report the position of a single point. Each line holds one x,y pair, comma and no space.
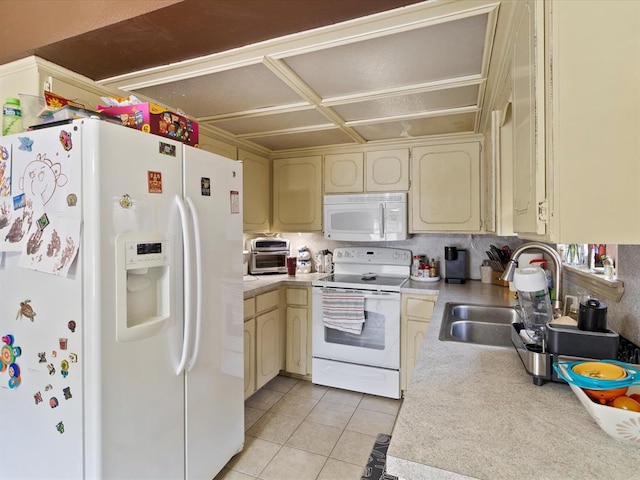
167,149
5,171
154,181
235,201
25,144
205,187
52,249
65,140
26,310
9,353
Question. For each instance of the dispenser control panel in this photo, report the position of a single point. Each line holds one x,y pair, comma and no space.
146,254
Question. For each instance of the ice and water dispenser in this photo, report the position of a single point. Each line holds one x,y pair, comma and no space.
143,285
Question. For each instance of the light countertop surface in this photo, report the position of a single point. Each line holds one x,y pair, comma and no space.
473,411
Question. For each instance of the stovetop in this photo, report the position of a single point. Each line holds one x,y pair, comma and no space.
368,268
362,282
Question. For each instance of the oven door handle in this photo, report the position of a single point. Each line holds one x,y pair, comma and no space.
367,293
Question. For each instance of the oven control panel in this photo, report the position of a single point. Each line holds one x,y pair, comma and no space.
372,255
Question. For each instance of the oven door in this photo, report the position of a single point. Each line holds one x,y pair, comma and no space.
377,345
268,262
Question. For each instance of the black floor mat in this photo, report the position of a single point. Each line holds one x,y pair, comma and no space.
375,468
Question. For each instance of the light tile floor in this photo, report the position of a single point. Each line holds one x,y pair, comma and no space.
295,430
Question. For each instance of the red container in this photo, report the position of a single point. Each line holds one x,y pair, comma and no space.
292,263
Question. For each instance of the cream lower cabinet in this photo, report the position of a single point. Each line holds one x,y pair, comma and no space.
263,344
298,335
445,188
414,320
249,347
249,357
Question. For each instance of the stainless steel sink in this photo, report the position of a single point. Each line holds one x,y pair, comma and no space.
479,324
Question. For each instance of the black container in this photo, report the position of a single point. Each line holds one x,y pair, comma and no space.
592,316
455,265
571,341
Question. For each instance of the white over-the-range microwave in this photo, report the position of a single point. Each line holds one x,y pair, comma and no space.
365,217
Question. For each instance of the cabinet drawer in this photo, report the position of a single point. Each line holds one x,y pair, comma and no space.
419,307
297,296
267,300
249,307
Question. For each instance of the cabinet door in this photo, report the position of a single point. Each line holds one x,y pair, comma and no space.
249,358
214,145
528,173
297,340
387,171
343,173
445,189
414,338
267,347
297,194
595,123
256,194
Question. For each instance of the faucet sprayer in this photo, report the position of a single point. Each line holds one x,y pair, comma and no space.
510,269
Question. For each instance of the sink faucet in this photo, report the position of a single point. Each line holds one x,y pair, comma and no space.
557,263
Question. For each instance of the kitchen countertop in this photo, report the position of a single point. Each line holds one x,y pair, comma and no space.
257,284
473,411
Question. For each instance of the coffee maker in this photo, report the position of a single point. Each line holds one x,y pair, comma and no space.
455,265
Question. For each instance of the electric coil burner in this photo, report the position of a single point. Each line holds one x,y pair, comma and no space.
356,320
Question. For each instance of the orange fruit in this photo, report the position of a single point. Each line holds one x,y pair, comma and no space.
626,403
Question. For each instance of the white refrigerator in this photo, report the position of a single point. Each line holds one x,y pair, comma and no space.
121,335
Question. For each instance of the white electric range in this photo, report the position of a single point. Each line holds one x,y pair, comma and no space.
356,320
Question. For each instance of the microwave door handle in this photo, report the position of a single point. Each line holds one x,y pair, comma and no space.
382,220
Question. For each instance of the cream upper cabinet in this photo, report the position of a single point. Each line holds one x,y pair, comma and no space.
373,171
529,192
344,173
387,170
593,124
297,194
445,188
213,145
256,196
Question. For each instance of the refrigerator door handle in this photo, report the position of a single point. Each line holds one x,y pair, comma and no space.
188,287
198,266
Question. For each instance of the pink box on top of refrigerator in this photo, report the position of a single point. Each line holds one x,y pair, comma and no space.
151,118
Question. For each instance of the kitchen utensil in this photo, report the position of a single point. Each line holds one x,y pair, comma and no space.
623,425
499,254
603,368
592,315
496,266
603,396
535,302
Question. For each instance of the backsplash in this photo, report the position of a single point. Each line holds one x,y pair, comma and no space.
431,245
623,317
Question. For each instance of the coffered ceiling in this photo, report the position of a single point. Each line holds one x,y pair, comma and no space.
378,71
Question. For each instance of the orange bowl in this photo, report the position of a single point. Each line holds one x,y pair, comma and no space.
604,396
600,370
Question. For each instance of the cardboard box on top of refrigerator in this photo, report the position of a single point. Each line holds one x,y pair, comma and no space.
152,118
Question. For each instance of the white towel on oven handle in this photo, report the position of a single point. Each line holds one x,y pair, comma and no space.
343,311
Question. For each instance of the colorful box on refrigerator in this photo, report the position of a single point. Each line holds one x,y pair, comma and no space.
152,118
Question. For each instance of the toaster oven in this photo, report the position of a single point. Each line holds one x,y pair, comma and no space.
268,255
